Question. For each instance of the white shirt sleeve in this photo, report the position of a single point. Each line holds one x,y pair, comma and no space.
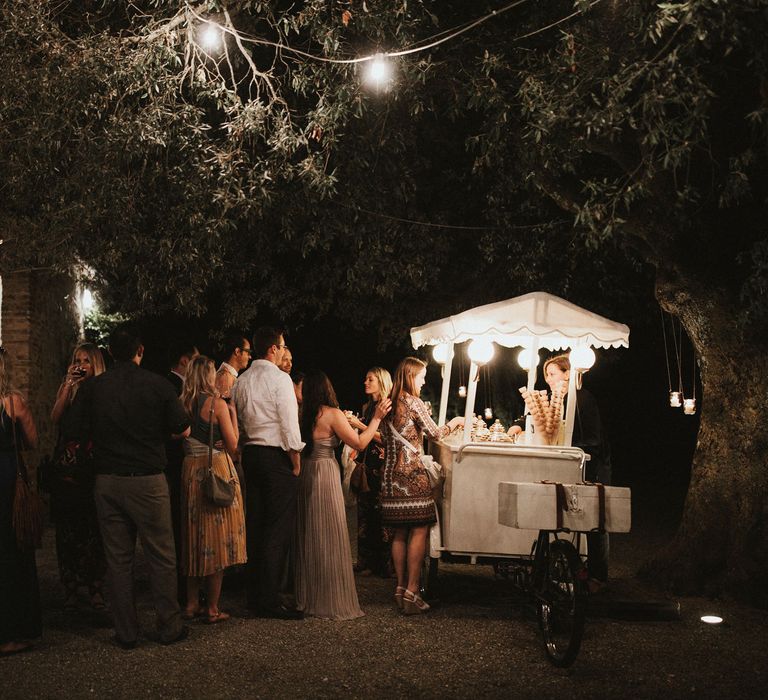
288,414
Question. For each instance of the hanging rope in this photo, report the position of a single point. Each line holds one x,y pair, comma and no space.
678,340
666,349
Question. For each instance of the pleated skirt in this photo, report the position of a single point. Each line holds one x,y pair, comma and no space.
213,537
324,580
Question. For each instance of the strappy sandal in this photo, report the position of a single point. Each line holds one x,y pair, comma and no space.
399,590
414,604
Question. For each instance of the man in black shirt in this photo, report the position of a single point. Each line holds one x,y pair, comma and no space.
128,413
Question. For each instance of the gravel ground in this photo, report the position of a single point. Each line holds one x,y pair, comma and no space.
481,642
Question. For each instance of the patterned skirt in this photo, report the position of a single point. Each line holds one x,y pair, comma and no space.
213,537
406,496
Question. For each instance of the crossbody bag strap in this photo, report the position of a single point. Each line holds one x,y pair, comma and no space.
403,440
210,442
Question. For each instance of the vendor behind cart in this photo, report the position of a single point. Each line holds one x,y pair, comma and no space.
589,436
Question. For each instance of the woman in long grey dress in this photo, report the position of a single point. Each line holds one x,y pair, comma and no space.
324,581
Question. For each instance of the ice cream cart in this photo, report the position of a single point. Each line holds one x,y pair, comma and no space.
474,465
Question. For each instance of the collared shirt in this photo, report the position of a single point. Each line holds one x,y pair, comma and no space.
266,407
226,367
129,413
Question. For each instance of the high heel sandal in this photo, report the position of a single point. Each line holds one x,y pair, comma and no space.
414,604
399,590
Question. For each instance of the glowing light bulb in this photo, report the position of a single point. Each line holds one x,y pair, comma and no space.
378,72
480,351
210,37
440,353
689,407
462,392
582,357
675,399
88,302
488,413
526,356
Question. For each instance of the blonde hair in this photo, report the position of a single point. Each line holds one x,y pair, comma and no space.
403,382
94,356
200,378
384,378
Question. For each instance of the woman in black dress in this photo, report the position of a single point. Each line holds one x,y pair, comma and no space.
78,540
372,538
20,619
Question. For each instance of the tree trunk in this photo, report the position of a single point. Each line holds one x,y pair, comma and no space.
722,543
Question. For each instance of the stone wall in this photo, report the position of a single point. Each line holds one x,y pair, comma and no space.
40,325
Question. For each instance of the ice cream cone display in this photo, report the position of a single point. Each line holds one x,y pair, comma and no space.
546,412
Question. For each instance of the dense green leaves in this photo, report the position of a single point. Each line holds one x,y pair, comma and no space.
567,149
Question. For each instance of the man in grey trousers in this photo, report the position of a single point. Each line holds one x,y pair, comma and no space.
128,413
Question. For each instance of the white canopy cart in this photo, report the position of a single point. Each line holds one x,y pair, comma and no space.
470,516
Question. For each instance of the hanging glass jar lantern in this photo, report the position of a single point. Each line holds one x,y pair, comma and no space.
689,407
488,413
462,392
675,399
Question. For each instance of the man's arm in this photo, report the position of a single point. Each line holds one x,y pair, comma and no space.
295,458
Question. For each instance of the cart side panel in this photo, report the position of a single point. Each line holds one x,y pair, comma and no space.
470,504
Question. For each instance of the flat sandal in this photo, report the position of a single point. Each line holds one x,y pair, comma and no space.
399,590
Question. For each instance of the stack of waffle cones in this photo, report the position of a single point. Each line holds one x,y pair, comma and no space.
546,413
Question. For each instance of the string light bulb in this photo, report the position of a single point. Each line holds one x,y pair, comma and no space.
210,37
378,73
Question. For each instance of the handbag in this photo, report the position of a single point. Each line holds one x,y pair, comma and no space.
434,470
27,512
218,490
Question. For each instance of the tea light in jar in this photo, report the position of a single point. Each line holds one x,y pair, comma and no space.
463,392
488,413
675,399
689,407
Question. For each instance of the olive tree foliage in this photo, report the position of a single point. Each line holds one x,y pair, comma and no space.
186,176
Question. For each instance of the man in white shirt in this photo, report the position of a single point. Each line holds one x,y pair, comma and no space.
269,433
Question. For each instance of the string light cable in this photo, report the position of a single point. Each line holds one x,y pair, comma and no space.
432,42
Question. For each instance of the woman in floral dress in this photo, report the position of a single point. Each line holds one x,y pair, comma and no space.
407,505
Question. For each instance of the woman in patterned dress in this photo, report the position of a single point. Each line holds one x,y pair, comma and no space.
213,537
407,505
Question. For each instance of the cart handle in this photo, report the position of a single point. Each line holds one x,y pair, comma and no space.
564,453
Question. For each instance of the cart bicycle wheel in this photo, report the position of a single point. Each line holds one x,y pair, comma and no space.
562,603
